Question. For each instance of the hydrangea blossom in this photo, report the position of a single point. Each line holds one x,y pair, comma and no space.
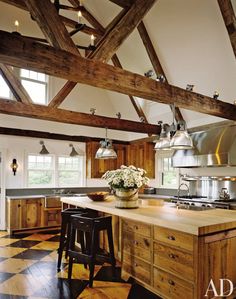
126,177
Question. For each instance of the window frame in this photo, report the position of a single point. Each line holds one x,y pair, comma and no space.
27,171
45,83
58,170
161,155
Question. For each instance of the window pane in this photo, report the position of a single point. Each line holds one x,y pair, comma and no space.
4,89
33,75
24,73
38,177
37,91
41,77
67,178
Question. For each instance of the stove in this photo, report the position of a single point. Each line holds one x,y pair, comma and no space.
200,203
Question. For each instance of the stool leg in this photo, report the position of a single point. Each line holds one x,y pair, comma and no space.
62,242
71,247
81,241
111,249
93,256
68,239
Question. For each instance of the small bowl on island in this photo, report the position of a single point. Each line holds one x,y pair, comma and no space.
98,196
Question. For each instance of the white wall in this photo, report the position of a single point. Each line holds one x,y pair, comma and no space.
17,147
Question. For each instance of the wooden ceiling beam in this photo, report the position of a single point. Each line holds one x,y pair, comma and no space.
17,51
230,21
62,94
123,3
54,136
14,84
155,62
113,38
68,22
46,15
76,118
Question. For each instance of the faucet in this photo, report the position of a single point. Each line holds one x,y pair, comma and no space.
179,189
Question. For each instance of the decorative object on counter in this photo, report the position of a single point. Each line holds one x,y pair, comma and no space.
174,137
105,150
44,150
14,166
98,196
125,182
224,194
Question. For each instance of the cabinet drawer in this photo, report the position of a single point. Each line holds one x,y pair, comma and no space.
172,237
137,245
172,287
138,227
136,268
176,261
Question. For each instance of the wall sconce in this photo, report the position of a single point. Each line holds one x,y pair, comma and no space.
14,166
44,150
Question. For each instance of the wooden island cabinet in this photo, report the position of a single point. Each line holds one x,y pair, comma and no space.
138,154
175,253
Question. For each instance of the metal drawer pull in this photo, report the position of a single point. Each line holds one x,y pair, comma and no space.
135,264
172,238
135,242
172,256
171,282
136,227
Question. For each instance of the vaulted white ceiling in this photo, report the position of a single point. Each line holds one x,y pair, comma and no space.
192,44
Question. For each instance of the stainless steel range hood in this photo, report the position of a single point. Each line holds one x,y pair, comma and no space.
214,147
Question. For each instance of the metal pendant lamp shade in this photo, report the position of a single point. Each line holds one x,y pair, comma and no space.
181,139
163,143
105,150
74,153
44,150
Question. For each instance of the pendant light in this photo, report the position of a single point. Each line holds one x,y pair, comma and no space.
43,151
163,143
105,150
181,138
174,137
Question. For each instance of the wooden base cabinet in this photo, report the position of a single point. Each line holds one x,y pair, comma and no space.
175,264
28,214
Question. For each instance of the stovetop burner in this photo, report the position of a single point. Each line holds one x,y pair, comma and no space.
190,196
193,207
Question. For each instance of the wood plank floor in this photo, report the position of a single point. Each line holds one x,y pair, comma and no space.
28,270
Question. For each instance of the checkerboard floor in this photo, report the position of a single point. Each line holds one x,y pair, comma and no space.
28,269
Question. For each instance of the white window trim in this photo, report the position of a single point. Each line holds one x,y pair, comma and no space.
160,156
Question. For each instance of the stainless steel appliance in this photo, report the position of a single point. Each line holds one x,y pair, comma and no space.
199,203
213,147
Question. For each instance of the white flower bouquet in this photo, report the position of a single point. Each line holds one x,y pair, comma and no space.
126,177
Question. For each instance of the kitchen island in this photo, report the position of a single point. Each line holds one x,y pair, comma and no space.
175,253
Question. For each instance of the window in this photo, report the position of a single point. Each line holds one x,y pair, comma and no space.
40,170
36,84
4,89
168,176
70,171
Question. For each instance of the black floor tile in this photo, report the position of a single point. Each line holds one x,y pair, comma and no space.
24,243
5,276
53,232
48,269
105,274
60,289
17,236
32,254
55,238
138,291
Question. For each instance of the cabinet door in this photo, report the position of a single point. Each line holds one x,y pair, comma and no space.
52,217
31,213
14,218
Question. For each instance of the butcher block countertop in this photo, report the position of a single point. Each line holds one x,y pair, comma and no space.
166,215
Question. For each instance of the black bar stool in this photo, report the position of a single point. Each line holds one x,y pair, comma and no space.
66,232
90,254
